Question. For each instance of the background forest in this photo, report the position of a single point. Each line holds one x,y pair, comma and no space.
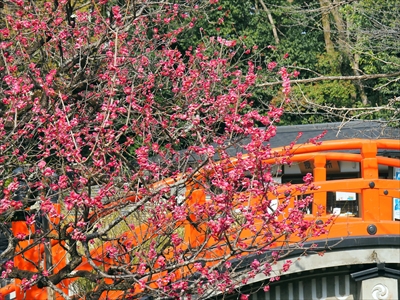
347,54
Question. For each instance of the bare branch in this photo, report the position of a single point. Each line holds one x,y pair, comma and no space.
328,78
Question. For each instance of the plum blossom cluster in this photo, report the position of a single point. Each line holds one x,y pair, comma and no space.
122,141
8,266
26,284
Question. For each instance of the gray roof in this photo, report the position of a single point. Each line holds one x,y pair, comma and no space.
335,131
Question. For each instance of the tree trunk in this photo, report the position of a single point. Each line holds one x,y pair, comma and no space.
324,4
359,85
345,46
271,21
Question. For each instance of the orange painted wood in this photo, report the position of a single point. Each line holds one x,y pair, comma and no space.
376,201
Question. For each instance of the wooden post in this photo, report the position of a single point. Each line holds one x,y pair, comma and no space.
320,175
369,170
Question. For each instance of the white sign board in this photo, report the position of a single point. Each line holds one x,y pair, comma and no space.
345,196
396,201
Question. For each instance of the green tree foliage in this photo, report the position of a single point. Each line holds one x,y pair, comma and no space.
365,42
365,35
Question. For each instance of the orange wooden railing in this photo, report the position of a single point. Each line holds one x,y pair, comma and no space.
376,200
